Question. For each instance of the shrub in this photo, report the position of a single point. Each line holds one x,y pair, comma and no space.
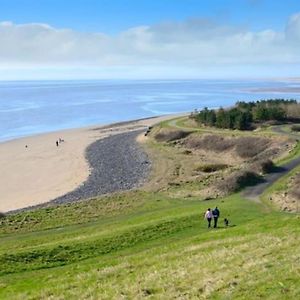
209,142
263,166
237,181
247,147
209,168
2,215
295,128
167,135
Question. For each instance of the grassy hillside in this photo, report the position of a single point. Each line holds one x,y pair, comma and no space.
154,245
159,248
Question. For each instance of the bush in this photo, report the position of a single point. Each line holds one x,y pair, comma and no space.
2,215
209,142
209,168
237,181
247,147
263,166
295,128
167,135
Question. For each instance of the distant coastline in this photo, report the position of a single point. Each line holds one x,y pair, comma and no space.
34,107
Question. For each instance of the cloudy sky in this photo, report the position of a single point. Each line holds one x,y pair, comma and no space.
80,39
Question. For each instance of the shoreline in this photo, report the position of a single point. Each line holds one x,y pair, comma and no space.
42,171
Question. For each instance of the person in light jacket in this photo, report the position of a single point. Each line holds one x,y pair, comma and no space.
208,216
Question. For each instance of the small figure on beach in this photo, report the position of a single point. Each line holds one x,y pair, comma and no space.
60,140
26,146
57,143
208,216
216,215
226,222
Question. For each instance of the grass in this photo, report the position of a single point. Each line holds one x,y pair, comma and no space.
154,245
160,249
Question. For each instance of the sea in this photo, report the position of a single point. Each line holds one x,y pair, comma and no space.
34,107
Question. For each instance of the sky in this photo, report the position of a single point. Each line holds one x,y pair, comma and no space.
141,39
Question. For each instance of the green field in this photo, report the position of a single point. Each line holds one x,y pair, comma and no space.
146,245
143,244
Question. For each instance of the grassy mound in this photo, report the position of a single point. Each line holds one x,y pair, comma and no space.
214,143
245,147
248,147
237,181
168,135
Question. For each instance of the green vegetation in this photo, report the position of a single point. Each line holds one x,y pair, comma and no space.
161,249
295,128
154,243
243,115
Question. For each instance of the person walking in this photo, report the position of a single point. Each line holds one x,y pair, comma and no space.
208,216
216,215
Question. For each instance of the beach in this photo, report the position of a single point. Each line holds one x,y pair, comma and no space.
34,170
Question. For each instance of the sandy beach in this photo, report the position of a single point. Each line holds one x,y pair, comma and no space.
42,171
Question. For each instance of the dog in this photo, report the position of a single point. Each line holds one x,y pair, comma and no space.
226,222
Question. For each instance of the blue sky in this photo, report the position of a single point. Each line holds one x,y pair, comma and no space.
112,16
148,38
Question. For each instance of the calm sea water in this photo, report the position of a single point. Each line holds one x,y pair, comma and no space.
32,107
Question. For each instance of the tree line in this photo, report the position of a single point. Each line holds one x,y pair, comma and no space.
244,114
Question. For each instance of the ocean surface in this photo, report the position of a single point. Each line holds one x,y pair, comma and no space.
32,107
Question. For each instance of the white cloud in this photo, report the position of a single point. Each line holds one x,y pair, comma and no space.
193,43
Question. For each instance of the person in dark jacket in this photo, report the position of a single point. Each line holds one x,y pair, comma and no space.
216,215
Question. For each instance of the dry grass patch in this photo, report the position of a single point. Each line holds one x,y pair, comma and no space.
245,147
296,189
248,147
169,135
288,198
210,142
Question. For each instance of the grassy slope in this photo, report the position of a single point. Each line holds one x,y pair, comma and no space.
161,248
143,244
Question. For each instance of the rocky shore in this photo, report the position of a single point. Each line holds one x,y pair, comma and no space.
117,163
